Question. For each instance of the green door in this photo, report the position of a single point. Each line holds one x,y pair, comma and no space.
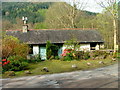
43,53
60,51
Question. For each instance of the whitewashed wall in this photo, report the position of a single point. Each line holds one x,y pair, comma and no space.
35,49
102,46
83,47
65,46
97,47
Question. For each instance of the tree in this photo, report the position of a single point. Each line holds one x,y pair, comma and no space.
112,8
105,27
63,15
11,46
72,43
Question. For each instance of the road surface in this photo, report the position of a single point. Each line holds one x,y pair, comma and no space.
105,77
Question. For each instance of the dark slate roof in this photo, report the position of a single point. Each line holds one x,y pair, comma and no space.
56,36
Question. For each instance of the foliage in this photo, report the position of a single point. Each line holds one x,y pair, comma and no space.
11,11
63,15
12,46
98,53
51,50
34,58
79,55
17,63
72,44
57,66
40,26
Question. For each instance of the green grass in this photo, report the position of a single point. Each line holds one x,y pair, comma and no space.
57,66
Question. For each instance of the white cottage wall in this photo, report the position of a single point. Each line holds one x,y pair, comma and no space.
97,47
35,49
83,47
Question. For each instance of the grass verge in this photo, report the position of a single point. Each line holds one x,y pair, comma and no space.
57,66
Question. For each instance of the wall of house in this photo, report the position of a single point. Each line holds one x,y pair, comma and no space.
102,46
35,49
83,47
97,47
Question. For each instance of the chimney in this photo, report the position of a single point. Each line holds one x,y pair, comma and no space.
25,26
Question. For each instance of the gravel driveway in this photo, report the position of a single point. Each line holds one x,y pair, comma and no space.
105,77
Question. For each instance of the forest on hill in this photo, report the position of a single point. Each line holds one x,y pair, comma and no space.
12,12
45,15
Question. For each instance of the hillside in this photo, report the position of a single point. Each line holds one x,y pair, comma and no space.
34,11
12,12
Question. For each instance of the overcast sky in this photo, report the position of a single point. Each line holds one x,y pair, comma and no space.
90,6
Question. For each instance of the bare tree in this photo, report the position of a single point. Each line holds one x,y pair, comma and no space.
111,6
65,15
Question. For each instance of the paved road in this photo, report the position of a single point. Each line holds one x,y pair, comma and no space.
106,77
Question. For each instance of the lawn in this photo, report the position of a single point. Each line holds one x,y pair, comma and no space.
57,66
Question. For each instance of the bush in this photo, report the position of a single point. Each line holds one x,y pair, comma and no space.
51,50
33,58
68,57
11,46
82,55
18,66
95,54
86,55
79,55
17,63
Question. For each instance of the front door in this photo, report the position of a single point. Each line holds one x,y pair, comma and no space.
43,53
60,51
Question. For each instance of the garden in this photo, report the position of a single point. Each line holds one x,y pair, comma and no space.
16,64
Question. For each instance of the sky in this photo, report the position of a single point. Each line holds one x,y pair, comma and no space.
90,5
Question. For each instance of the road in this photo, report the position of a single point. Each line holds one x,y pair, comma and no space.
105,77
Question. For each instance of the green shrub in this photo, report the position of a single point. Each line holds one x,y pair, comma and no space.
17,58
34,58
51,50
68,57
79,55
98,53
18,66
17,63
86,55
57,57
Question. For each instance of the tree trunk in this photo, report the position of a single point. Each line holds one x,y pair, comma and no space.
115,34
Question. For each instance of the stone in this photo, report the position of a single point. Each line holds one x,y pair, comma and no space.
113,59
10,73
45,69
101,62
96,58
74,66
27,72
89,64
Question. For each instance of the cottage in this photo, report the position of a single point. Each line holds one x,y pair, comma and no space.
88,39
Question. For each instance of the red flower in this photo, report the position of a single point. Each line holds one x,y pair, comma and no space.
0,62
8,61
4,60
5,63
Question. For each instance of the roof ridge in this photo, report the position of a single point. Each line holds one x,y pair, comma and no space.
58,29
